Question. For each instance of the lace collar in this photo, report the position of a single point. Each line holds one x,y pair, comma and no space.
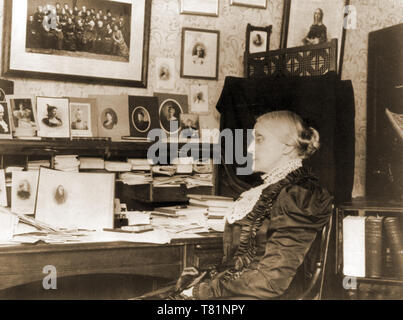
248,199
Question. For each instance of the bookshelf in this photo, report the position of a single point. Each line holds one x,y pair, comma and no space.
369,287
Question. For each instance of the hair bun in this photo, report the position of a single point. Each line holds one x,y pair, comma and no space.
308,142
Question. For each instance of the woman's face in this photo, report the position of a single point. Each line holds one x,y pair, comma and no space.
108,117
317,16
267,150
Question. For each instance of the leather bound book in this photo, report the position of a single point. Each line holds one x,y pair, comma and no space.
373,246
394,237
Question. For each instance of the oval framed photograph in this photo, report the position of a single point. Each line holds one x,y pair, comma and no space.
141,119
109,118
169,111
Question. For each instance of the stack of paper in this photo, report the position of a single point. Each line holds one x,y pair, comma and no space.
140,164
173,181
131,178
67,163
118,166
164,170
36,164
198,180
92,163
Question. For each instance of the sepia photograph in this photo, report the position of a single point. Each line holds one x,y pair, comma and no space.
23,113
189,126
199,98
165,73
200,53
143,114
23,191
53,117
5,121
80,119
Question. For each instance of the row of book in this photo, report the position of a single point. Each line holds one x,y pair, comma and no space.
372,247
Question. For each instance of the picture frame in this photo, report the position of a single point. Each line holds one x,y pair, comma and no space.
55,57
200,53
112,118
199,98
23,115
257,39
24,186
299,24
170,107
75,200
262,4
189,127
197,7
81,118
143,115
53,117
5,121
165,73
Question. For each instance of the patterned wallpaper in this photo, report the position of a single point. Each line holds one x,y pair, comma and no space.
165,41
371,15
166,25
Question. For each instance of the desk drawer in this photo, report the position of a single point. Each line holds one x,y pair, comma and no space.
208,254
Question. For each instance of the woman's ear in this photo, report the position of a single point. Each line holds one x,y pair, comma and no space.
288,150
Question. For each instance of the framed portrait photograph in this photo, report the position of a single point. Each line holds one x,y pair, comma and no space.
189,126
71,199
5,121
204,8
257,39
199,98
45,40
23,191
165,73
23,114
143,115
313,22
250,3
53,117
83,117
170,107
200,53
112,119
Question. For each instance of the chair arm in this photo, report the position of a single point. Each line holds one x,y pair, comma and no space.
312,282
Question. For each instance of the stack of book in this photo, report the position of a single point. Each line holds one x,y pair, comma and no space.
68,163
34,165
118,166
372,247
92,163
217,206
133,178
140,164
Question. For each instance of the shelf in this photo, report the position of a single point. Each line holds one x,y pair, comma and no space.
381,280
373,205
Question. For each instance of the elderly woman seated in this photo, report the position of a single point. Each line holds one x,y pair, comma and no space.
290,208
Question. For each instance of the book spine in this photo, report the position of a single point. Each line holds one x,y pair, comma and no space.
395,241
373,247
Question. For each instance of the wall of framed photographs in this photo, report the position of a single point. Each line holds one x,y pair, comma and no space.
165,43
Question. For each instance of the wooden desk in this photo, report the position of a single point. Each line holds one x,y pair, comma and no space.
23,264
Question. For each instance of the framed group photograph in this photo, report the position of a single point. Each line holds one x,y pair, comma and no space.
262,4
23,114
143,115
197,7
40,43
170,107
257,39
313,22
200,53
53,117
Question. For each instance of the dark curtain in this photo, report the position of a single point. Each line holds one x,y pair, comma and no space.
325,103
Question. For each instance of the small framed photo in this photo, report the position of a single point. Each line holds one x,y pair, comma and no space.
199,98
262,4
257,39
80,119
23,191
189,126
53,117
170,107
200,53
5,121
204,8
23,113
165,73
143,115
313,22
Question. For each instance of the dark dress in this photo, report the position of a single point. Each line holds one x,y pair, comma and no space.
318,31
284,235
